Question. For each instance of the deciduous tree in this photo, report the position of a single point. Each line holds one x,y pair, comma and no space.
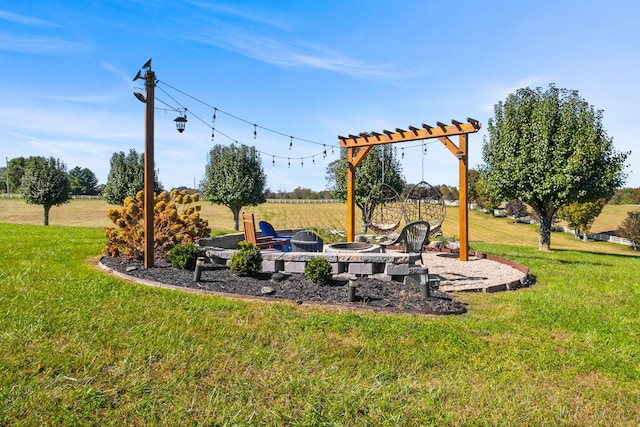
549,149
368,175
630,229
126,177
234,178
45,182
581,216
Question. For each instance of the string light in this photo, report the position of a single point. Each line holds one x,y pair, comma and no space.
255,127
273,161
313,160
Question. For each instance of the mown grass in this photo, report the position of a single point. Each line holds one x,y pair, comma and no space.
78,347
92,213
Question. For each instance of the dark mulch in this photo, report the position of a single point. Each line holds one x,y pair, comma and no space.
371,293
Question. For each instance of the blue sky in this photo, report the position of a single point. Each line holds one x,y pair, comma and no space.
308,69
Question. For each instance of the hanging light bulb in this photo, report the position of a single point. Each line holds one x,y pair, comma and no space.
324,153
402,155
215,110
273,161
313,160
213,134
290,142
301,162
289,162
255,131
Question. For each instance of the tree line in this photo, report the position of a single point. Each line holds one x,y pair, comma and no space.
546,148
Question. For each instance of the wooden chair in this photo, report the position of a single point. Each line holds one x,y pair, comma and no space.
249,224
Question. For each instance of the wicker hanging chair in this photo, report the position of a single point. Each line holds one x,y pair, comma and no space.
425,203
384,209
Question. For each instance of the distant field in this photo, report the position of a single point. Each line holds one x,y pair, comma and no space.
482,227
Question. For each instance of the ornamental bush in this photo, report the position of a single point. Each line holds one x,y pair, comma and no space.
516,209
171,226
630,229
247,260
184,256
318,270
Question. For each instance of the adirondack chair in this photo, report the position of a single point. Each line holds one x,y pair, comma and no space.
268,231
413,237
249,224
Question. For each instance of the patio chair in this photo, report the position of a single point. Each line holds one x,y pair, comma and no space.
268,231
413,237
306,241
249,224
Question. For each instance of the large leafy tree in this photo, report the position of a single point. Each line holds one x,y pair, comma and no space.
82,181
548,148
369,175
126,177
234,178
45,182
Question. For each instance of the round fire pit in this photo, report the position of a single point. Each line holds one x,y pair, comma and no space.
353,247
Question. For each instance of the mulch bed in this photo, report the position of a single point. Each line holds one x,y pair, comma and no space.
370,294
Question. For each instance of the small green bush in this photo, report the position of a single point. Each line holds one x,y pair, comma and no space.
318,270
184,256
246,261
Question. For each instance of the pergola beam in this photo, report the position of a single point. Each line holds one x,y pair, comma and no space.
387,137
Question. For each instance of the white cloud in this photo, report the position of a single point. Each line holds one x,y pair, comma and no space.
25,20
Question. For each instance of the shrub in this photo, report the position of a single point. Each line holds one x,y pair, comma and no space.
170,226
184,256
516,209
630,229
318,270
247,260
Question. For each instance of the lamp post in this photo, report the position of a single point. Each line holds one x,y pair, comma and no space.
150,83
149,191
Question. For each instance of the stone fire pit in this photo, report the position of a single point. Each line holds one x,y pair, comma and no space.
354,247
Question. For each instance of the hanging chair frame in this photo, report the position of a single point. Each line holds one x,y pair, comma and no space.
384,209
425,203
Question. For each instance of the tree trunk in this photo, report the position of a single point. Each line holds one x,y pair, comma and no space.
236,216
46,214
544,244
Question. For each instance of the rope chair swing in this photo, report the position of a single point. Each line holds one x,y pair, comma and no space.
425,203
384,208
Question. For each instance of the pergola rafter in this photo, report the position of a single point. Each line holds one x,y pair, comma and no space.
358,146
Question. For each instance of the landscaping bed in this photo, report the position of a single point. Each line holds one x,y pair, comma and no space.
370,294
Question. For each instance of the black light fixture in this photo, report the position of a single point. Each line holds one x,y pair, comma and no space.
140,97
181,121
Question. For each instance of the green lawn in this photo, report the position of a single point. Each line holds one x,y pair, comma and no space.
78,347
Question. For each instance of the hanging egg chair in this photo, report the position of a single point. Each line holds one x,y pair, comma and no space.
384,209
425,203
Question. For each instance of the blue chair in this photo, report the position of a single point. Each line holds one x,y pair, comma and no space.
268,231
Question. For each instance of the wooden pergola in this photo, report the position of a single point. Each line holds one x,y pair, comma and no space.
359,146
